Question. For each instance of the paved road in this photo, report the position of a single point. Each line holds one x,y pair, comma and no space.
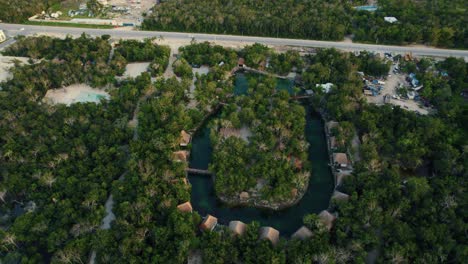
15,29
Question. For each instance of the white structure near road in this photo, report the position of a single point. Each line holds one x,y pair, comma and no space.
2,36
390,19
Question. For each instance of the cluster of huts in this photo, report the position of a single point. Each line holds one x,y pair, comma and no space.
238,228
183,154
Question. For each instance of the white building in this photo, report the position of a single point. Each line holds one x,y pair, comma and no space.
390,19
326,87
2,36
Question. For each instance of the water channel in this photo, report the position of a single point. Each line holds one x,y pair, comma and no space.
287,221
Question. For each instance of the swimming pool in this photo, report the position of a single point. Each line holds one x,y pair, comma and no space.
90,97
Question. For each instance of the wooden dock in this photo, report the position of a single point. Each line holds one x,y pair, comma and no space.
198,171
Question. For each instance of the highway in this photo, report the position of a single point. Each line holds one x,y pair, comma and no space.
17,29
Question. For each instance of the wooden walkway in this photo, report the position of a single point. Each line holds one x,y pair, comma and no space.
198,171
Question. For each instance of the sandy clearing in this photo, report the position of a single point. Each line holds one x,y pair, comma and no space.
6,62
134,70
74,94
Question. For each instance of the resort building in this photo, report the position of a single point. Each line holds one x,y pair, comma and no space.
180,156
185,138
341,160
209,223
269,233
185,207
327,219
337,195
237,227
302,233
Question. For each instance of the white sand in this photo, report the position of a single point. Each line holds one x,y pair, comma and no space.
134,70
73,94
6,62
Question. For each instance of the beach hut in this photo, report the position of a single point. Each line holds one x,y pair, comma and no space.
327,219
209,223
302,233
185,138
185,207
237,227
269,233
337,195
180,156
340,159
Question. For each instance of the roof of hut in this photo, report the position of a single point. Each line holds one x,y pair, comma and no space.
302,233
237,227
185,207
269,233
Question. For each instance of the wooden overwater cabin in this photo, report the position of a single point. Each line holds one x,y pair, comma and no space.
237,227
209,223
302,233
185,207
337,195
185,138
341,160
269,233
327,219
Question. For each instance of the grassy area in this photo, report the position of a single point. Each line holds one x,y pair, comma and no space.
58,24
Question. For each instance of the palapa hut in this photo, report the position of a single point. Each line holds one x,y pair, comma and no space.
185,207
244,196
337,195
341,160
241,62
327,219
237,227
209,223
269,233
302,233
185,138
180,156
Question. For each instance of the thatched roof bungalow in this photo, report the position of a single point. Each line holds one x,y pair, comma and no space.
209,223
341,160
185,207
237,227
185,138
269,233
337,195
327,219
180,156
302,233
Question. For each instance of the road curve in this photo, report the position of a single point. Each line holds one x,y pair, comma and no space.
18,29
